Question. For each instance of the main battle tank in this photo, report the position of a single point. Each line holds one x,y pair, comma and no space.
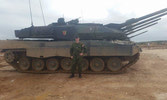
45,49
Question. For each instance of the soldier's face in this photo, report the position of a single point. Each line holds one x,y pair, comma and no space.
77,40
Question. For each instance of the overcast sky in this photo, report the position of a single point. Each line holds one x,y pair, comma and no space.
14,14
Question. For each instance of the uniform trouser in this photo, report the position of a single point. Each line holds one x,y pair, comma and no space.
76,62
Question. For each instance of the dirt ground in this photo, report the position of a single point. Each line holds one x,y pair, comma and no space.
146,80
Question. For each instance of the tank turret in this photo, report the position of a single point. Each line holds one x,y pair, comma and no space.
91,31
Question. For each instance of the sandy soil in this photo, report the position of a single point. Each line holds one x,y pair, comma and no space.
146,80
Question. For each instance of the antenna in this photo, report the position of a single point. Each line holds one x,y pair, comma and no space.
42,12
30,13
82,15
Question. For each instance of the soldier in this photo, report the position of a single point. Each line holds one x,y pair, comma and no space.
77,50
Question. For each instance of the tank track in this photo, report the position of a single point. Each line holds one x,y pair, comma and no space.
133,60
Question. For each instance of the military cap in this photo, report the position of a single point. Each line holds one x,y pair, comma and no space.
76,36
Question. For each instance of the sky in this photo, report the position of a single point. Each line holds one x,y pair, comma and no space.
14,14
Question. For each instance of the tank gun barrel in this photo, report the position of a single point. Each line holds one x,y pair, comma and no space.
135,20
140,25
138,34
141,22
141,28
130,27
131,23
152,14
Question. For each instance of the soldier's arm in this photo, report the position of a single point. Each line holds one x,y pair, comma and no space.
84,50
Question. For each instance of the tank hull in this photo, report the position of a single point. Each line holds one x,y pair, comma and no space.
29,54
61,48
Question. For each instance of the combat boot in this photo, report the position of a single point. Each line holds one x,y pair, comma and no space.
71,76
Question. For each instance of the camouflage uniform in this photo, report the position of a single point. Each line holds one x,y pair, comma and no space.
75,51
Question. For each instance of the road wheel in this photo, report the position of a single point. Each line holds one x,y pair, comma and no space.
38,64
97,64
9,56
52,64
84,64
24,63
66,64
114,64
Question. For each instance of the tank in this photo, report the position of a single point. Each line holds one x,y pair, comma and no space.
46,49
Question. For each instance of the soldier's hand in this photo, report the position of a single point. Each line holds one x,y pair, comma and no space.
71,57
81,54
83,45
